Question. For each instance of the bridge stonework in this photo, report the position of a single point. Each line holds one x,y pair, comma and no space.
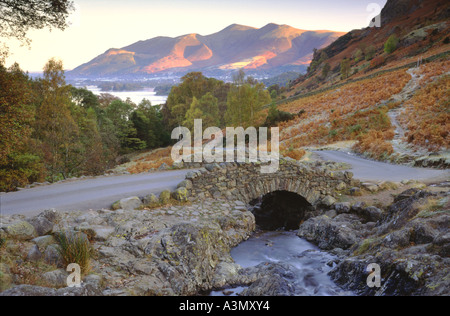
245,182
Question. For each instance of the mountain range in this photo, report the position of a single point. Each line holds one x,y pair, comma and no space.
272,48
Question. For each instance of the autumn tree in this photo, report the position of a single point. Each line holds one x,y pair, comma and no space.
55,125
345,68
391,44
206,108
18,166
245,101
180,98
148,122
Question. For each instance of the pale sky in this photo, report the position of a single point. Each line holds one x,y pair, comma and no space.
98,25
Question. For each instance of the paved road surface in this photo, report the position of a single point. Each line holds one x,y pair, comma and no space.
88,194
368,170
101,192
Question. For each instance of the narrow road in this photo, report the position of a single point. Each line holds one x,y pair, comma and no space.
369,170
82,195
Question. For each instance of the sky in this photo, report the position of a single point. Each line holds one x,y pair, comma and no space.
98,25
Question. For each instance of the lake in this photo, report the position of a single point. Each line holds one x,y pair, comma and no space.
135,96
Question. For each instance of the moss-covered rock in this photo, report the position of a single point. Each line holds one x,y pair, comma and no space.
21,230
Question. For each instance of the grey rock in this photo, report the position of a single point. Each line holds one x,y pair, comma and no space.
34,254
150,199
185,184
180,194
42,225
342,208
44,241
164,166
21,230
328,201
130,204
329,233
56,279
165,196
52,255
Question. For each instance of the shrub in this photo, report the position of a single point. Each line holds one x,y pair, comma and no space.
377,62
391,44
276,116
75,248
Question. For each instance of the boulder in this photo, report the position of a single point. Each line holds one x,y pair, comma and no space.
180,194
56,279
42,225
342,208
185,184
328,201
329,233
128,204
150,199
21,230
43,242
52,255
34,254
164,197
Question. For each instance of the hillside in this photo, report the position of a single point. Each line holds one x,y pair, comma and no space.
391,106
386,103
267,49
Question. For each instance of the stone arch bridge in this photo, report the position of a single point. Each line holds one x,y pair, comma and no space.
315,182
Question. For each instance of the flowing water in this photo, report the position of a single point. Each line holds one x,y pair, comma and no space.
310,264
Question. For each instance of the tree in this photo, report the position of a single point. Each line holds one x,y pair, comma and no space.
18,166
345,68
391,44
369,52
325,71
148,122
17,17
206,109
245,102
358,55
55,125
180,98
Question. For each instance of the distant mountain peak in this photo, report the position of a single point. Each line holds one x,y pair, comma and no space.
237,46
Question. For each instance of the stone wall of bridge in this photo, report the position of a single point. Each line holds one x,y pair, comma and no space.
245,182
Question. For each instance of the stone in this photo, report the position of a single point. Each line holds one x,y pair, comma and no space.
180,194
164,197
178,165
371,214
355,191
342,208
164,166
51,215
103,233
329,233
42,225
56,279
34,254
341,186
44,241
185,184
150,199
328,201
129,204
52,255
21,230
